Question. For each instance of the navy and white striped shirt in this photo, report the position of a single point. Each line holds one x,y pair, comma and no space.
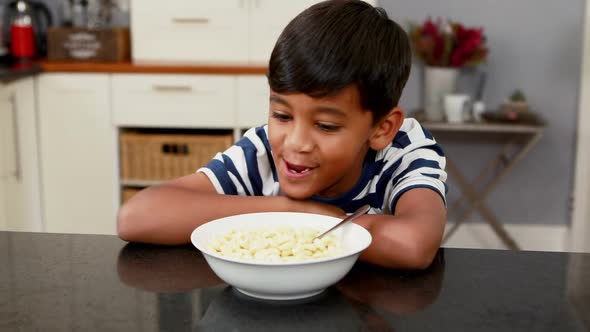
412,160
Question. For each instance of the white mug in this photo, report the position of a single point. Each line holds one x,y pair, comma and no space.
456,107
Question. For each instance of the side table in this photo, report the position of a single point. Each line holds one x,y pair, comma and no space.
519,140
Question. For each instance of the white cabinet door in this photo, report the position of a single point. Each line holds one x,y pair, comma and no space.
20,203
267,20
252,102
78,153
7,150
189,31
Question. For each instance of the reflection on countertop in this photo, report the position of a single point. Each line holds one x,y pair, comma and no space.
352,305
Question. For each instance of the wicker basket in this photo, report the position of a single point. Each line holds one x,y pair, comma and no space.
154,156
128,192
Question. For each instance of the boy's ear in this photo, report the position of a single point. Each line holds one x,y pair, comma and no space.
386,129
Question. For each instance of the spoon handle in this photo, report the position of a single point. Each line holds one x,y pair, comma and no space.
362,210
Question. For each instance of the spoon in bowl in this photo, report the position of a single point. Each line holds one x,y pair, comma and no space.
362,210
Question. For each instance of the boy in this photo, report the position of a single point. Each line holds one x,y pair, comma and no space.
335,140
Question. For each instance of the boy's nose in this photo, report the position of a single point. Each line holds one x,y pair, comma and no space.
299,139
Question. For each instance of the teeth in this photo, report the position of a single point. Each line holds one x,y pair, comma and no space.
299,172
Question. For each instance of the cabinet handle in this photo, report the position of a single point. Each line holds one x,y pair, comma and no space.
172,88
14,108
190,20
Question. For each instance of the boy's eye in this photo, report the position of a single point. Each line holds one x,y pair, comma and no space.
280,116
327,127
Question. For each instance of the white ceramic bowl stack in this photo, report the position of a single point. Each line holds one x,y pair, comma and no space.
282,280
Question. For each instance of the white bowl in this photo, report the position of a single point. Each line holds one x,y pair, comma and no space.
281,280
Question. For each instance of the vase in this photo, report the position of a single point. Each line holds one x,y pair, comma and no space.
438,82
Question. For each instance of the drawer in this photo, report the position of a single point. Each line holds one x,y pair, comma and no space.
189,31
174,100
252,105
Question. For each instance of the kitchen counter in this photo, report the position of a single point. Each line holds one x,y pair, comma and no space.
13,71
128,67
57,282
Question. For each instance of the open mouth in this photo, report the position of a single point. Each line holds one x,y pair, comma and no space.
297,169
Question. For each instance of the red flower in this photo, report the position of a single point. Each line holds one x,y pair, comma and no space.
450,44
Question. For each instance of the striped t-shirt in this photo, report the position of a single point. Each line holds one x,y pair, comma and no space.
412,160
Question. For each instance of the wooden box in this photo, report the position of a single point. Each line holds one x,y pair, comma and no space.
93,45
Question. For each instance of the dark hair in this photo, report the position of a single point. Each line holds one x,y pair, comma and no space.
336,43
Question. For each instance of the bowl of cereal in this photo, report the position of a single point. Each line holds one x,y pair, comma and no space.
275,256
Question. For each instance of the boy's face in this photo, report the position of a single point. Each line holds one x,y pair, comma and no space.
318,144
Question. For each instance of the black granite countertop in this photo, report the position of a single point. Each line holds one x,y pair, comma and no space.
56,282
12,71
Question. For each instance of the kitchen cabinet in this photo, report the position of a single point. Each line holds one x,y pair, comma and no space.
181,101
20,202
78,153
187,30
7,151
234,31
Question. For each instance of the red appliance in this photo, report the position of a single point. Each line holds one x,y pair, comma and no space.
22,36
25,26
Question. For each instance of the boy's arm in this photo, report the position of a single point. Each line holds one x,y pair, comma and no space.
168,213
410,238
